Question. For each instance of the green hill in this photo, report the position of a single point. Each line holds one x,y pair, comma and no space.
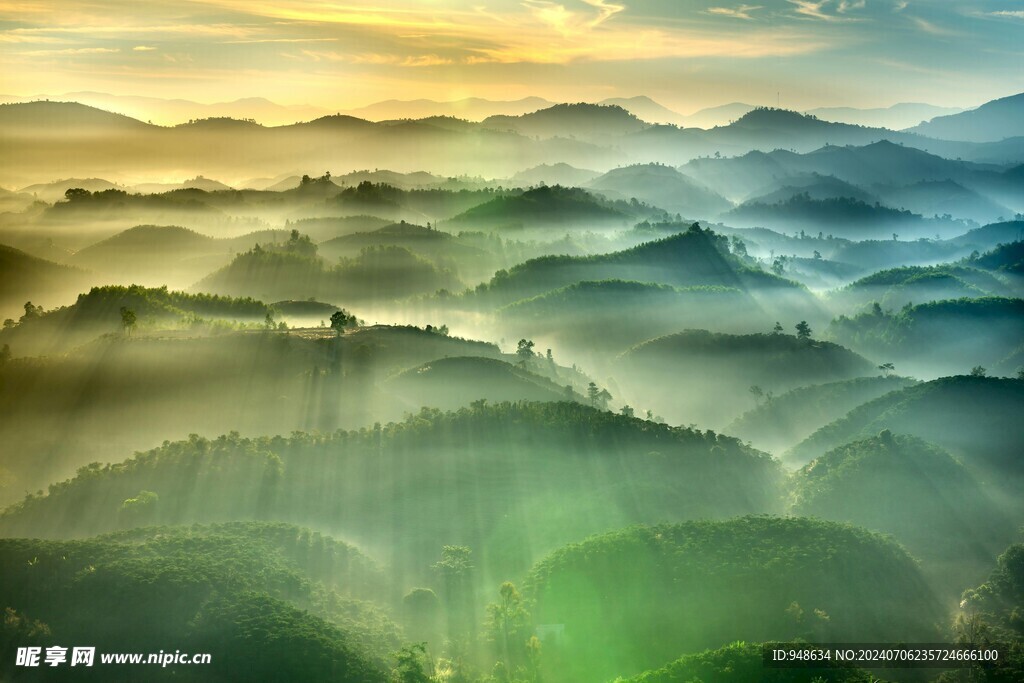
661,186
783,421
899,286
936,337
258,597
544,207
153,255
26,278
120,393
843,216
615,314
98,312
675,589
580,120
718,370
974,418
904,486
692,258
993,611
1005,258
377,274
455,382
555,474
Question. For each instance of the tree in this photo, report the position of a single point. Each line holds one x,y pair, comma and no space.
413,665
507,625
5,354
598,397
524,349
886,368
778,329
627,411
128,319
31,311
73,193
9,323
455,569
803,330
978,371
340,320
757,392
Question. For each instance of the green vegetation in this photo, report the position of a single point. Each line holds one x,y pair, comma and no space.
100,311
781,421
377,274
453,382
990,614
906,487
674,588
263,597
974,418
545,207
446,420
948,334
728,364
616,314
693,258
551,458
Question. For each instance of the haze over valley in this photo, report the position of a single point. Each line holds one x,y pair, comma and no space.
463,361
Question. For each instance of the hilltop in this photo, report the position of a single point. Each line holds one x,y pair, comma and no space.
673,588
718,367
24,277
906,487
991,122
784,420
974,418
259,595
513,497
661,186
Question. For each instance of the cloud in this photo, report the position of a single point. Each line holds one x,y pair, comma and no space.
899,5
816,10
572,22
72,51
143,48
376,59
932,29
741,12
1015,14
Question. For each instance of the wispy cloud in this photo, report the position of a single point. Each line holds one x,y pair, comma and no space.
72,51
1016,14
931,28
741,12
143,48
373,58
812,9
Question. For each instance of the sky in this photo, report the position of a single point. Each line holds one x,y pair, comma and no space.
686,54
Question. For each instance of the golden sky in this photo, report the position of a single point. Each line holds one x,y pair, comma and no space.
686,54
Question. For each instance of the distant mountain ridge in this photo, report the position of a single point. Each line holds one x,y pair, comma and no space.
991,122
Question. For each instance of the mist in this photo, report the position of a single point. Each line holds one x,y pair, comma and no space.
556,393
